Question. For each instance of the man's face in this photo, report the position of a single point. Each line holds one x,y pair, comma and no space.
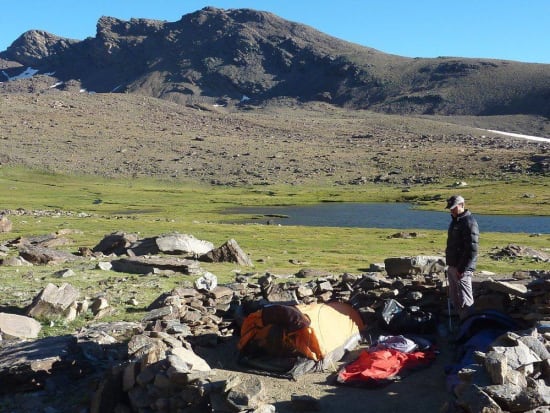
457,210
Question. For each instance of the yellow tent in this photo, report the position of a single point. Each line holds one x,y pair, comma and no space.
336,326
333,329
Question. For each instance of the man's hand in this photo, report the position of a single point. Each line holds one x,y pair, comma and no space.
460,275
466,274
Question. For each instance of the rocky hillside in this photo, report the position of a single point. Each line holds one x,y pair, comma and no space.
128,135
215,55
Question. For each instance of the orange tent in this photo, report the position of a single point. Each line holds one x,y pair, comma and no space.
333,329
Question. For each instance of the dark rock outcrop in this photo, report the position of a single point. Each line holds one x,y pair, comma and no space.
215,54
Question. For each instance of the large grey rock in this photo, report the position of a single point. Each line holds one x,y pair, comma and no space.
247,394
536,345
183,244
472,374
100,307
518,356
190,359
106,341
16,262
228,252
25,366
304,291
417,265
475,400
221,292
505,287
277,294
54,302
18,326
145,246
151,264
139,345
43,255
37,240
514,398
167,311
115,243
105,265
207,282
65,273
519,251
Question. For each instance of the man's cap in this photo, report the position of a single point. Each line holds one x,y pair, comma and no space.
453,201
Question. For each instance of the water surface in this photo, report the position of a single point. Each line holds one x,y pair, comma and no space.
387,215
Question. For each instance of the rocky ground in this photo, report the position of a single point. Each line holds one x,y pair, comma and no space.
283,142
85,387
80,372
422,391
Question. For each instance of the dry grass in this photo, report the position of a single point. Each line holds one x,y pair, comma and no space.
118,135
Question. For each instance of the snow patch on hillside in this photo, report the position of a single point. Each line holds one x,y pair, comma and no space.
518,135
26,74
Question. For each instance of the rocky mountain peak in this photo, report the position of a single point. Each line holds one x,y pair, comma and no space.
34,45
111,26
230,53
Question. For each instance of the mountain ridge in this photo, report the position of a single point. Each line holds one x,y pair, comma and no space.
215,54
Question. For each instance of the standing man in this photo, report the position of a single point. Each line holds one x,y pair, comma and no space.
461,255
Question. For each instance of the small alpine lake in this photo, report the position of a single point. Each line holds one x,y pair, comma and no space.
384,215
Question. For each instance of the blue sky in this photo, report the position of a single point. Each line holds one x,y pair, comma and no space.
500,29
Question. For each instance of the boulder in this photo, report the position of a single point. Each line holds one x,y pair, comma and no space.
475,400
280,295
16,262
145,246
190,359
518,356
65,273
106,341
18,326
43,255
44,240
100,307
418,265
104,265
116,243
515,398
518,251
151,264
505,287
207,282
26,366
54,302
183,244
228,252
246,394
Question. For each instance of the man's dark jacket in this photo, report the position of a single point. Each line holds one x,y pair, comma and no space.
462,242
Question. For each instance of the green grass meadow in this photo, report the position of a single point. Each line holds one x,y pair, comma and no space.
91,207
